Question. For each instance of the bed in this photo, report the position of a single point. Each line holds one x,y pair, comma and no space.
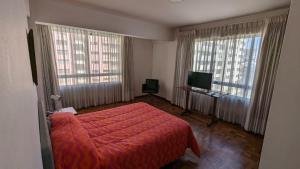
135,136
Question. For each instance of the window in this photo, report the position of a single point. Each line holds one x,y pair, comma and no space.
81,71
95,71
61,52
61,42
94,52
232,60
84,57
78,46
80,62
110,45
95,62
94,43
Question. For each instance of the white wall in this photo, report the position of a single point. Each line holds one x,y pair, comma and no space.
282,139
19,134
74,14
164,58
142,58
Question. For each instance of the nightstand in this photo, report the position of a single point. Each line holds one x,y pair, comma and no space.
68,109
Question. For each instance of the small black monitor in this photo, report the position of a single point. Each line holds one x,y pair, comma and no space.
200,80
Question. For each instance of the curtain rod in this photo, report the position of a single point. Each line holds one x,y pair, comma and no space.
87,29
236,20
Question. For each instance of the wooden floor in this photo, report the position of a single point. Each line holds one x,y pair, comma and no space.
223,146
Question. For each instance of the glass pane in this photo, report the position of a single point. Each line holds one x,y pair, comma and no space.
231,59
84,57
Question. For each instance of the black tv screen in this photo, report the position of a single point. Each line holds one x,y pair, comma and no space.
30,40
200,80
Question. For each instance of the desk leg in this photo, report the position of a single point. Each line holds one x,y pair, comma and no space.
213,118
187,97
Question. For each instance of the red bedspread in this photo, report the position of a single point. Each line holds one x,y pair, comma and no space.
137,136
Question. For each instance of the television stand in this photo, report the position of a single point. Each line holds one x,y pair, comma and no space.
214,94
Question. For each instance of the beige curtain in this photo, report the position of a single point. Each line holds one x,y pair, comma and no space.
266,74
184,57
127,66
49,73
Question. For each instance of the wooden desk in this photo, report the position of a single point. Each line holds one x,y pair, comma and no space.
214,94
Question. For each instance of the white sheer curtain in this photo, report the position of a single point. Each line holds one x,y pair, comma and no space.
88,65
230,53
232,60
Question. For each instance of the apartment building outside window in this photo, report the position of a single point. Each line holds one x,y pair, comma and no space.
87,58
232,60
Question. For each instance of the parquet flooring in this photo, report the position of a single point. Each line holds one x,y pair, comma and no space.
223,146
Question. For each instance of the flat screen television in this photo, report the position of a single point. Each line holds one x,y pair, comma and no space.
200,80
30,40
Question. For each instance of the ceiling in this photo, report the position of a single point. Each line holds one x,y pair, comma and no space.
186,12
